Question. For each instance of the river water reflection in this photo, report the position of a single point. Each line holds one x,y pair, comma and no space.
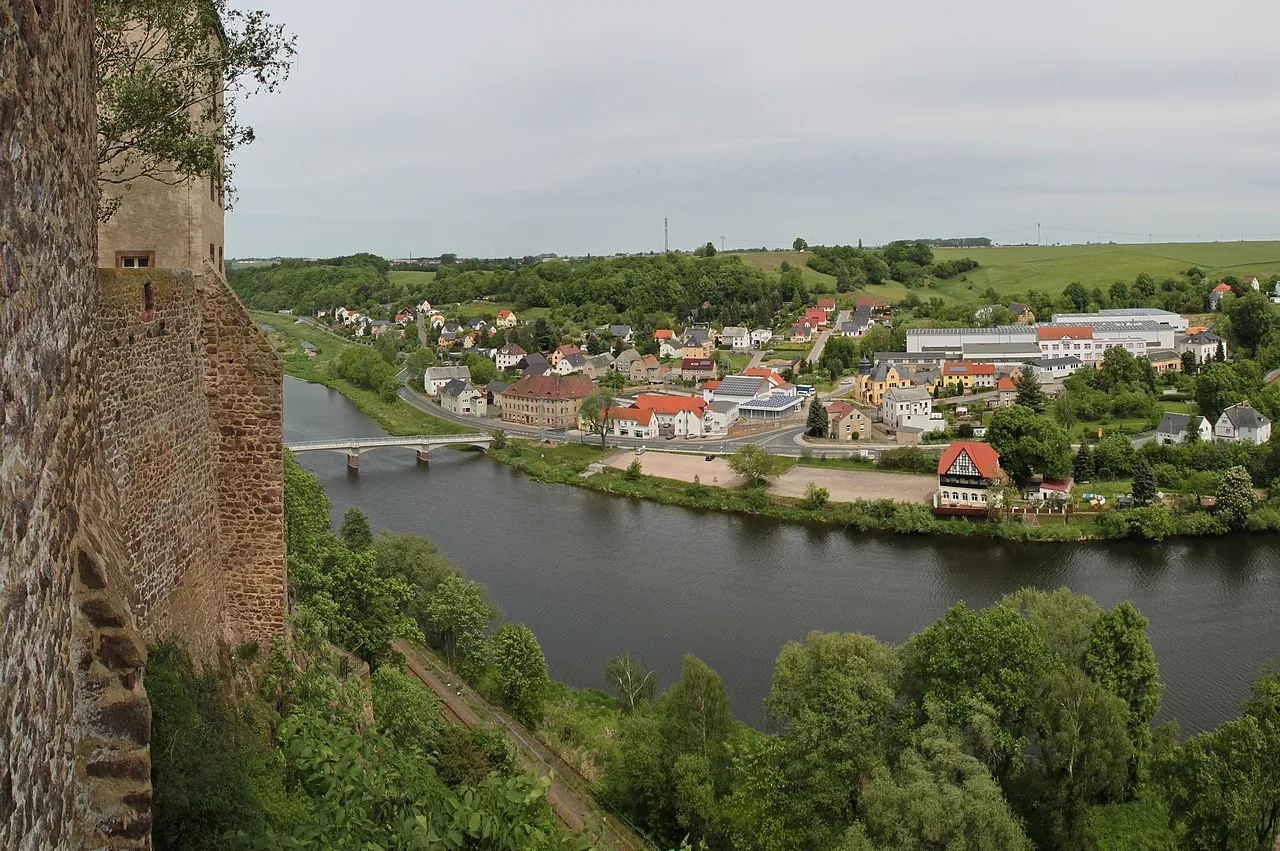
593,575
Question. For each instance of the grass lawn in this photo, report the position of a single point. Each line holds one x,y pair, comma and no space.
398,418
1016,269
410,278
480,307
771,261
1124,425
738,362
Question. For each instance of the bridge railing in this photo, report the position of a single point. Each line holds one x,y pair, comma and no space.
368,442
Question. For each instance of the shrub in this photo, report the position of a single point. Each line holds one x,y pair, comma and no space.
911,459
756,499
406,711
1263,519
815,497
633,472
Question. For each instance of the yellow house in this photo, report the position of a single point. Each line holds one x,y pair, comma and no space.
969,375
873,384
506,318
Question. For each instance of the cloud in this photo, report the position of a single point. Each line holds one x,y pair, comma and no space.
507,128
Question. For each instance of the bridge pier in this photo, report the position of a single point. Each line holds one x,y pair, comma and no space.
422,455
353,460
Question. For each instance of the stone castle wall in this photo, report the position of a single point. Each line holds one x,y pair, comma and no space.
141,476
74,720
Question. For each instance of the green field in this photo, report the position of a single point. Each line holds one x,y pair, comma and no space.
410,278
1016,269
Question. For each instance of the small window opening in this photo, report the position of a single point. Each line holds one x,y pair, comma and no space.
212,255
219,255
148,296
135,262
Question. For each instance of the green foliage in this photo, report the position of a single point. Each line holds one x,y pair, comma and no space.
1218,387
356,532
1082,466
817,424
1030,393
306,286
633,472
213,772
595,413
1063,620
417,363
1029,443
519,671
177,109
1114,457
984,670
364,368
815,498
457,615
406,712
633,682
1119,658
1235,497
754,464
938,796
1144,482
909,459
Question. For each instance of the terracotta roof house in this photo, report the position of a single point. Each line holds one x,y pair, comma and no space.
826,304
815,317
675,415
697,368
633,422
1216,294
965,471
549,401
506,318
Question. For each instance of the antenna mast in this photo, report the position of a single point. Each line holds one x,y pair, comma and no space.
666,244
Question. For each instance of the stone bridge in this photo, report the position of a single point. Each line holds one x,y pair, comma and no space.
353,446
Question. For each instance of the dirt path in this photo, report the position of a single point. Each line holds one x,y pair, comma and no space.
569,794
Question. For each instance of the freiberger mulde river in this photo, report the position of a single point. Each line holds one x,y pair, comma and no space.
594,575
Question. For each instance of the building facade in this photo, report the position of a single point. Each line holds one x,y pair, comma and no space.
545,401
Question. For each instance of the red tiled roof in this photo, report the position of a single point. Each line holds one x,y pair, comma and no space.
838,407
964,367
551,387
986,459
663,334
766,373
1222,288
642,416
1062,486
671,404
568,349
824,303
711,385
1073,332
1005,383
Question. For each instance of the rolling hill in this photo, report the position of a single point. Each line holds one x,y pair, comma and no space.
1016,269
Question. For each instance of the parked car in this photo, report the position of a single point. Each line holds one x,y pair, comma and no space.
710,458
640,450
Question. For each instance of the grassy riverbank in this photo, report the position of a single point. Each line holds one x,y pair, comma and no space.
397,418
565,464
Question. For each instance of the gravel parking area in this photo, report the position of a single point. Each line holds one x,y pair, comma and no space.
844,485
681,467
848,485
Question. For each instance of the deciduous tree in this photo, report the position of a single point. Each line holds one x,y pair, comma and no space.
754,464
1029,443
519,671
596,413
1235,497
633,682
356,532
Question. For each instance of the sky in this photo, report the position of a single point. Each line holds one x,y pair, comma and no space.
512,128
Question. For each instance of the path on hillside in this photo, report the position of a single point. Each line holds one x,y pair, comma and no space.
569,794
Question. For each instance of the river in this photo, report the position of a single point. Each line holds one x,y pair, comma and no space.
594,575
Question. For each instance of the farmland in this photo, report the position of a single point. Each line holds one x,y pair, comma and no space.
1016,269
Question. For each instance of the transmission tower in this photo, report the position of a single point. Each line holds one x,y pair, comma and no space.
666,244
722,245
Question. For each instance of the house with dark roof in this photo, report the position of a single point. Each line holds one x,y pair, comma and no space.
1022,313
1176,428
534,363
571,363
966,471
436,377
697,369
1242,423
620,332
1203,344
459,397
1055,369
508,356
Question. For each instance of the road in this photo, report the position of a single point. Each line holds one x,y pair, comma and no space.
1267,379
569,794
814,355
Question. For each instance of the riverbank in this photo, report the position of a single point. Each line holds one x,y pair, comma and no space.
566,464
396,418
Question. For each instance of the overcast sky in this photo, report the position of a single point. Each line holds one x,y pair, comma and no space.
511,128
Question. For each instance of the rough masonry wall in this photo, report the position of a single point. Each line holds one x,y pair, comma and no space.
158,439
246,408
74,721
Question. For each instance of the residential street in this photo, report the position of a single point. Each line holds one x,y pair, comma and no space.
816,354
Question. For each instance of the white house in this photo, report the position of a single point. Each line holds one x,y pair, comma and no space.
670,347
1055,368
762,336
1204,345
437,377
1242,423
506,318
571,363
719,417
425,307
459,397
633,422
1174,428
911,407
508,356
739,389
739,338
675,415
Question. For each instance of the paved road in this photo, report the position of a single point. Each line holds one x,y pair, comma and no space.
569,794
1267,379
814,355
